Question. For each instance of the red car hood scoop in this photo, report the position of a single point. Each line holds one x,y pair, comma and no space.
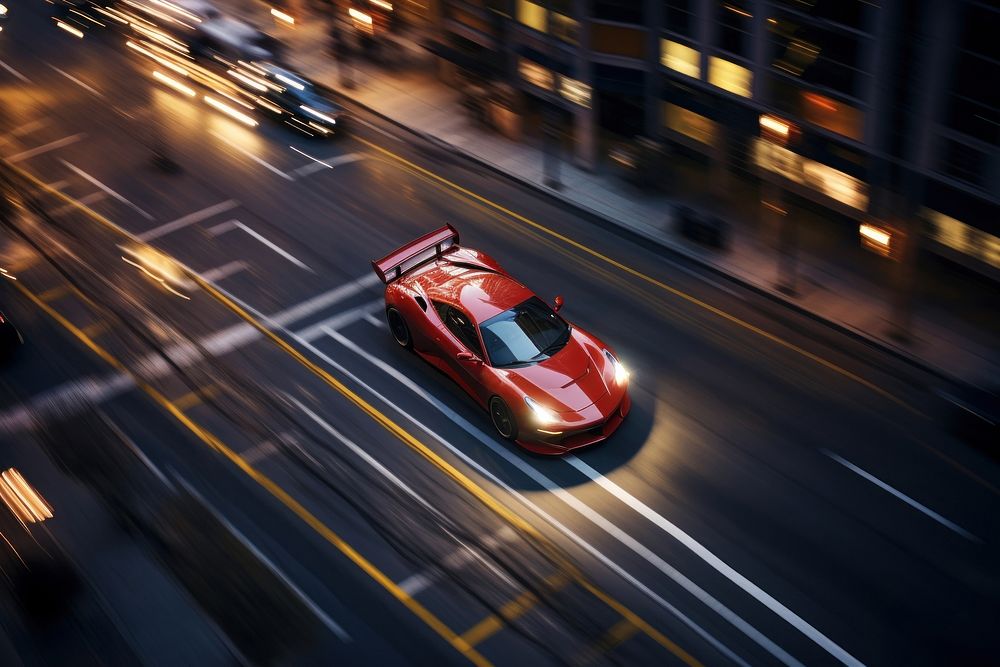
566,382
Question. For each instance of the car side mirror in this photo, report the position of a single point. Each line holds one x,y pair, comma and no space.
467,357
557,303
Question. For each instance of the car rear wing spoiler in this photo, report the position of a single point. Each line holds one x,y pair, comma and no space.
416,252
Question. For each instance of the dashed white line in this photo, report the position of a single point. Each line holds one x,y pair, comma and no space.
14,72
318,330
224,271
371,319
327,163
236,224
420,581
951,525
51,146
77,81
261,162
189,219
94,181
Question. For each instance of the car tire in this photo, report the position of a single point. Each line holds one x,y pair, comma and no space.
503,419
398,328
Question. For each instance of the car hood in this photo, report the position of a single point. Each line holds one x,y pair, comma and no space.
572,379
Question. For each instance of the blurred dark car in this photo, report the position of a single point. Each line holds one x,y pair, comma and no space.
10,337
294,99
973,414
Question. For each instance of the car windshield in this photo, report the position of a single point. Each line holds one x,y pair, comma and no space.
527,333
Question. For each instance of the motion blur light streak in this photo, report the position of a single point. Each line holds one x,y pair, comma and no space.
231,112
70,29
23,500
176,85
282,16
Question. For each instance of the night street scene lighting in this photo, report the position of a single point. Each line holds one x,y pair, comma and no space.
499,332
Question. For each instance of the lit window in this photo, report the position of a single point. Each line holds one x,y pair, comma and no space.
680,58
535,74
688,123
575,91
531,15
824,179
564,28
729,76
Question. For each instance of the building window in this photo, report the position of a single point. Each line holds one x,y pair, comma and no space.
564,28
832,115
623,11
680,58
962,238
535,74
826,180
678,17
965,163
729,76
735,26
575,91
850,13
686,122
816,56
618,41
531,15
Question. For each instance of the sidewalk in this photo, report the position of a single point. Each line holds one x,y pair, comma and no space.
412,96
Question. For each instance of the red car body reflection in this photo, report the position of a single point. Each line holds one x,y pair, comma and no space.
548,385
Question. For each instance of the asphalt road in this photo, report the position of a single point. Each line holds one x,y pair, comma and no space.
780,493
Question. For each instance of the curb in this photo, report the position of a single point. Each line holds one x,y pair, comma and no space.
629,232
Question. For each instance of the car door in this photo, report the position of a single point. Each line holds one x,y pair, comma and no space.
459,334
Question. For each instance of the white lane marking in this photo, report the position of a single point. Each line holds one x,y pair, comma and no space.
51,146
236,224
224,271
189,219
327,163
94,181
715,562
371,319
261,162
324,618
322,301
14,72
541,479
388,474
902,496
75,80
79,394
318,330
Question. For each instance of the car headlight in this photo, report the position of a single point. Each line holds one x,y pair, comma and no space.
542,414
621,373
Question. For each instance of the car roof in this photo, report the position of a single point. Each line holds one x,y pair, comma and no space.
481,292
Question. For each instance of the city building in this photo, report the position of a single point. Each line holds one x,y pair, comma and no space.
876,96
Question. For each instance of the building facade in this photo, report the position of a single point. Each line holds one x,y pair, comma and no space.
878,96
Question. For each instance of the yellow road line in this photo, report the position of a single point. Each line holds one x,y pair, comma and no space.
379,417
512,610
271,487
646,278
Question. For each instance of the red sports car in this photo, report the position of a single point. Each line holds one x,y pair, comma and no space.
548,385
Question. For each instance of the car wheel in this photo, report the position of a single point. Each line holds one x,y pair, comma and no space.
397,326
503,419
